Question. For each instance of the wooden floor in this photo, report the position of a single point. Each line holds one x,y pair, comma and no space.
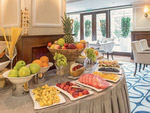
121,58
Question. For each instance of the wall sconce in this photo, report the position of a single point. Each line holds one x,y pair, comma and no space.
146,11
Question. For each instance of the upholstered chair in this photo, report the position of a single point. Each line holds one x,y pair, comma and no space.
140,56
144,45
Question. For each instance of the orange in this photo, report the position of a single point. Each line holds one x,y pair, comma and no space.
44,59
38,62
83,41
96,52
80,46
45,64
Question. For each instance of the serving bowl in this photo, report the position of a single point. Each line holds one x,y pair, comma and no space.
18,80
45,69
3,65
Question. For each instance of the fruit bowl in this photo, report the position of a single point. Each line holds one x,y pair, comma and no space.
2,46
3,65
18,80
70,54
45,69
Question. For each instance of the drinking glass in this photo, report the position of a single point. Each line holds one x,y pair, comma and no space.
9,57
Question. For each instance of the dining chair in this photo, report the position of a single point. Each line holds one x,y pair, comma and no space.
140,56
108,48
144,45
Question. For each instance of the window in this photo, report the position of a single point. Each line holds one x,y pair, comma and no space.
121,25
87,27
101,26
76,26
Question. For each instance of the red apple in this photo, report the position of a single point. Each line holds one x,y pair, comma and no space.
66,45
49,44
63,47
57,47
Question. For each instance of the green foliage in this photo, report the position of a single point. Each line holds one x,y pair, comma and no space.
117,33
125,26
76,27
88,27
103,27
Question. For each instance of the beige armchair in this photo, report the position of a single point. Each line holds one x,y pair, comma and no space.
144,45
140,56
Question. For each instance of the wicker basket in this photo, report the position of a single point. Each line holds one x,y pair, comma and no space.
71,54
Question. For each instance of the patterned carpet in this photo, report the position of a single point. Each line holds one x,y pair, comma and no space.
138,88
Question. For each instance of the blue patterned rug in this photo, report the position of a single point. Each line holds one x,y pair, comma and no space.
138,88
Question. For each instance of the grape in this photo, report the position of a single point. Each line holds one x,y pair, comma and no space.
60,59
90,53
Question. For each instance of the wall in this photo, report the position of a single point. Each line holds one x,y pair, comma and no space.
37,30
140,22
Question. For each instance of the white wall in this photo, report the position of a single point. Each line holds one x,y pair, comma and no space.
140,23
35,30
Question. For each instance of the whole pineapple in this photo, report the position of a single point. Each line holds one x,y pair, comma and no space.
67,28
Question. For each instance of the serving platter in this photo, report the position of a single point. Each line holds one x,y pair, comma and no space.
91,87
37,105
71,97
118,73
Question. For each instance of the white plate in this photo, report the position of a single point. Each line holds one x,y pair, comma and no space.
96,89
3,65
71,97
120,70
37,105
113,80
74,78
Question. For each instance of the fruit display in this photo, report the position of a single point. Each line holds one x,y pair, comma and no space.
21,70
46,95
66,45
94,81
108,63
76,69
108,69
71,89
110,77
60,59
43,61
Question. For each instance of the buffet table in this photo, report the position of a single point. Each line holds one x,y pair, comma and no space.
112,100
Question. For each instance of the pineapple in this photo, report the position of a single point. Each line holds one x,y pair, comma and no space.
67,28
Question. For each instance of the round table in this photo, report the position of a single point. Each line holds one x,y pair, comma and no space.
112,100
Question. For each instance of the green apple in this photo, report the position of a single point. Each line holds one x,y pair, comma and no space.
24,71
61,42
19,64
13,73
34,67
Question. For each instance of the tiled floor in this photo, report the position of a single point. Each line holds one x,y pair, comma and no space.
138,88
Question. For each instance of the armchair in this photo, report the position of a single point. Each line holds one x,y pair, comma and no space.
140,56
144,45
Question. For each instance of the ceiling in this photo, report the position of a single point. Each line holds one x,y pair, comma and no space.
83,5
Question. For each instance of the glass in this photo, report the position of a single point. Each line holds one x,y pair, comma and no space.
11,58
101,26
88,64
87,19
116,31
59,73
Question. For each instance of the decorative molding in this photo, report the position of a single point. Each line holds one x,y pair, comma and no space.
18,15
135,26
34,22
